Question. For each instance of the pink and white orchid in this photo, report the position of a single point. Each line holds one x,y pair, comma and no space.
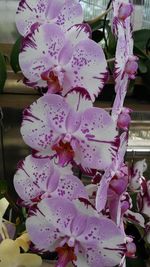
60,62
53,128
36,179
136,175
76,233
33,13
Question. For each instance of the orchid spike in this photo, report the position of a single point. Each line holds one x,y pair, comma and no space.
36,179
115,175
60,62
33,13
125,68
122,11
76,233
53,128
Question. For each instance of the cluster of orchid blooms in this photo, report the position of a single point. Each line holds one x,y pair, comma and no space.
85,225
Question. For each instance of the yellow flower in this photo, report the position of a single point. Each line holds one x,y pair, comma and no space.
10,256
3,207
23,241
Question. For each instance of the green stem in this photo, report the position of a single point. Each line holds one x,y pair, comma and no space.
109,60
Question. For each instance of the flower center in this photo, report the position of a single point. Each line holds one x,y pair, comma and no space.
52,80
64,152
65,255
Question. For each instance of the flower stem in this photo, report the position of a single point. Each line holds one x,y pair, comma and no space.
99,17
109,60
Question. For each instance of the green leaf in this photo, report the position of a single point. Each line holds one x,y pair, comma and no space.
141,38
98,24
3,72
142,66
111,42
3,188
140,53
14,57
135,263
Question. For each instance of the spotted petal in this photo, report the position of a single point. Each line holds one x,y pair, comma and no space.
38,178
96,136
40,51
32,13
61,216
109,247
70,187
70,14
43,234
89,58
35,177
44,122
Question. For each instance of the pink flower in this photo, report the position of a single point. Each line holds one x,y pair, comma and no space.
60,62
36,179
31,14
70,129
76,232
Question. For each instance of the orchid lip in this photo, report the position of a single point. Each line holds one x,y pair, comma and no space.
65,255
64,151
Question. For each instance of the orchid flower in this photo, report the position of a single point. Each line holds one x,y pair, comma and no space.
10,256
143,198
114,178
60,62
76,232
39,178
32,13
136,176
84,134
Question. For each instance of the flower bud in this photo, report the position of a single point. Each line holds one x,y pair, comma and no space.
131,249
124,119
125,10
131,67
